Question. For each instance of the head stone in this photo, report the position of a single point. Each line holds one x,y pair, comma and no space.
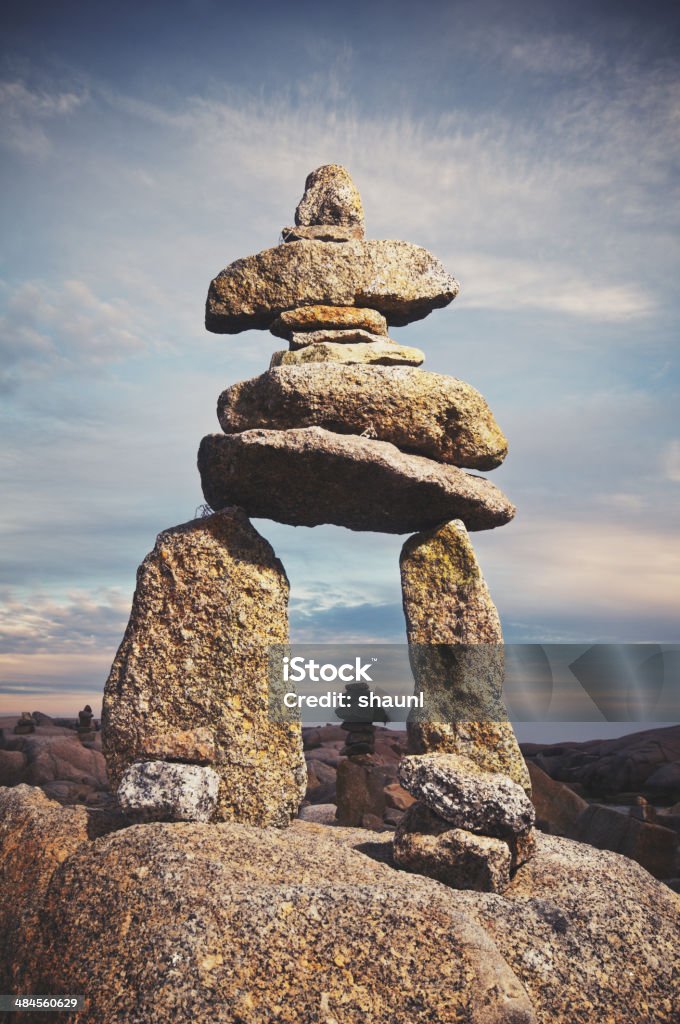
331,197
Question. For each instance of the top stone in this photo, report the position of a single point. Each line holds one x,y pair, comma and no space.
331,197
326,261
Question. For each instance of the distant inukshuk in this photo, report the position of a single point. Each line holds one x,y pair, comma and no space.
345,429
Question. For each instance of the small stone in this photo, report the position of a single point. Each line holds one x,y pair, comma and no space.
398,797
380,352
374,823
25,724
166,791
522,848
348,336
330,197
402,281
323,233
328,318
320,814
311,476
361,789
426,845
453,787
419,412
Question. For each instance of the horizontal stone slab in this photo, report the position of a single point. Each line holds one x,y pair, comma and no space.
420,412
323,233
349,336
381,352
311,476
454,788
328,318
402,281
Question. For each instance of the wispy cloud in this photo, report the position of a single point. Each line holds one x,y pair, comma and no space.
78,622
670,461
589,571
24,113
47,328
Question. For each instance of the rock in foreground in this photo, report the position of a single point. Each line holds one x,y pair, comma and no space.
402,281
424,413
311,476
428,845
453,787
165,791
313,924
256,926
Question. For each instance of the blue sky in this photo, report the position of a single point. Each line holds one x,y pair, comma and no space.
533,147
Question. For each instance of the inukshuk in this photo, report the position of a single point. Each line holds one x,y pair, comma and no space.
344,428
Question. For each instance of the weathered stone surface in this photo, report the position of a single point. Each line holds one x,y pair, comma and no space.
320,814
403,281
590,933
330,197
381,352
321,783
250,923
328,318
452,786
456,653
311,476
255,925
36,836
348,336
398,798
211,598
427,845
166,791
424,413
322,233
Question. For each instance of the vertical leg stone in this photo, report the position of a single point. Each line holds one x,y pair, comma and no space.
189,683
456,642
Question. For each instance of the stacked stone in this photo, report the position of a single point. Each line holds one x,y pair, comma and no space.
86,727
357,723
344,428
469,829
25,724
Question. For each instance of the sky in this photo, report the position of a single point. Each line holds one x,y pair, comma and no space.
533,147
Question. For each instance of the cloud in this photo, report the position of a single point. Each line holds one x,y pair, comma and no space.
506,284
591,572
551,54
670,461
24,112
47,328
82,621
